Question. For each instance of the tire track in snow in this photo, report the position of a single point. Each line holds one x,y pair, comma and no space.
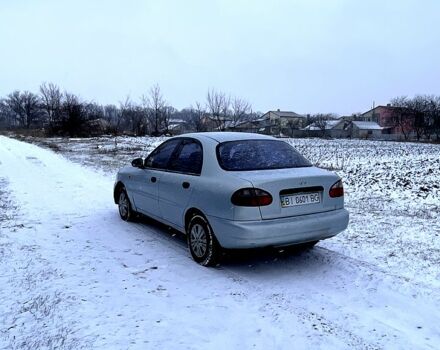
350,276
371,275
279,302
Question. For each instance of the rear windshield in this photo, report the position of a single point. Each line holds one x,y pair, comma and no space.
259,155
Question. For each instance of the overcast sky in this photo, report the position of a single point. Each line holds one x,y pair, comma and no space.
305,56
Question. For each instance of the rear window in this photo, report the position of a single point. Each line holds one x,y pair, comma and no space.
259,155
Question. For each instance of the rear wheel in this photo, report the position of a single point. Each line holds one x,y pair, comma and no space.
202,243
124,206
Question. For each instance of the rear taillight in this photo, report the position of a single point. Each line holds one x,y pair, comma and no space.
337,190
251,197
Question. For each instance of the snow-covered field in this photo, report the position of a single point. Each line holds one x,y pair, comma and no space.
73,275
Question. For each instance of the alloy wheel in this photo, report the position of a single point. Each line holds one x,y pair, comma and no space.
198,240
123,205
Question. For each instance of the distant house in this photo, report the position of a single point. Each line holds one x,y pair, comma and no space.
271,123
177,126
344,128
337,124
219,123
242,125
386,117
280,122
365,130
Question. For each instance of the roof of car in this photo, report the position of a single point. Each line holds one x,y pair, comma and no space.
228,136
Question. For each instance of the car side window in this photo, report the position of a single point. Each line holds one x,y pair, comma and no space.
160,157
189,159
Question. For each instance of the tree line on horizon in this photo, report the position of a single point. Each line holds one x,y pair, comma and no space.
61,113
421,114
66,114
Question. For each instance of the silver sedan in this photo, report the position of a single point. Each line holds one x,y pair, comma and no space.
233,190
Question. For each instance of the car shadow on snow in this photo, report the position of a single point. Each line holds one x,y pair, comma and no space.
296,256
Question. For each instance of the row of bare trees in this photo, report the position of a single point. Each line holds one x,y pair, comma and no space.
64,113
221,108
419,115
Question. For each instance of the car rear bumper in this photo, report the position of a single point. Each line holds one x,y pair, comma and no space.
278,232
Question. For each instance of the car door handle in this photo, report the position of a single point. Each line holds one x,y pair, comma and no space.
185,184
153,179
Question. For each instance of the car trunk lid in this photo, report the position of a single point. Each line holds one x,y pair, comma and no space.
294,190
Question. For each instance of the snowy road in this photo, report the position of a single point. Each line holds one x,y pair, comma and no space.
73,275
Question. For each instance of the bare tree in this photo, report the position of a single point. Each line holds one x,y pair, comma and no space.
196,117
7,117
292,125
419,108
433,117
167,112
218,107
240,110
73,115
156,115
113,116
31,106
145,111
137,120
25,106
93,111
320,121
133,115
15,104
51,97
402,115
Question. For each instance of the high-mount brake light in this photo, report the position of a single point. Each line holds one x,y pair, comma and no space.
251,197
337,190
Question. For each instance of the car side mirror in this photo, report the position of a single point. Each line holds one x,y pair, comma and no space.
138,163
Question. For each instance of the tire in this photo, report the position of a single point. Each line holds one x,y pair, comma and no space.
202,243
125,210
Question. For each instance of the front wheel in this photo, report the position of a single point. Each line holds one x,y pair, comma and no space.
202,243
124,206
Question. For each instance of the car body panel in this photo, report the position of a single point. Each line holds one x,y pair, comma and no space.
213,197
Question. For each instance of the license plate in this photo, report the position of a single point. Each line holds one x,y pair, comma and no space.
292,200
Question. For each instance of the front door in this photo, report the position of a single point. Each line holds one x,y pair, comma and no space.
145,191
147,182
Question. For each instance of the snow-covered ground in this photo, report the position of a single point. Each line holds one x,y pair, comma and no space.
73,275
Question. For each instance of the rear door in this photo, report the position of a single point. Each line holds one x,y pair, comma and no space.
177,184
147,181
